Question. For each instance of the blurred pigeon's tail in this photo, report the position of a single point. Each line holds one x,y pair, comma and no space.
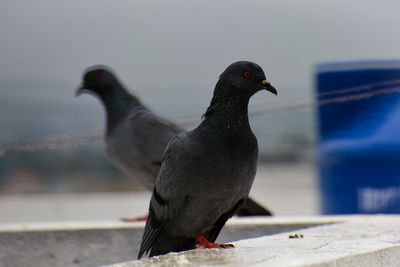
252,208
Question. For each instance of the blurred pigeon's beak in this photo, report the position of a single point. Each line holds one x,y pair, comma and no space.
80,90
267,86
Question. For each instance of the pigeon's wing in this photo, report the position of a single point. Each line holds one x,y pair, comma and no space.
169,196
151,134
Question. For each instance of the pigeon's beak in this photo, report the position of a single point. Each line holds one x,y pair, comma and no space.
80,90
267,86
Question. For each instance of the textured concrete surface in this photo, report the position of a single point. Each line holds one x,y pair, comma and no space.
357,241
96,243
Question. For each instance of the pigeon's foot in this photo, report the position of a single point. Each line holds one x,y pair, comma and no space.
137,219
203,243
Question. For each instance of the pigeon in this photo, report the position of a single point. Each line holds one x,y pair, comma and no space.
206,173
135,137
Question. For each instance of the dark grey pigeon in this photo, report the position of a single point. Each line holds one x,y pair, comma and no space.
135,137
207,173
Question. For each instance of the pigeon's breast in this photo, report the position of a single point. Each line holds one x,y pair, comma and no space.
218,182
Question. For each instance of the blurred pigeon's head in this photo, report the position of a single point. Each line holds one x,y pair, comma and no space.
98,80
244,78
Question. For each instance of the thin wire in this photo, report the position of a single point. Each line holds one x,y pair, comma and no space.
335,92
325,102
44,143
51,144
360,88
77,133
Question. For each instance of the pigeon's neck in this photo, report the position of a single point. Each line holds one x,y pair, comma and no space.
118,102
227,118
229,109
226,124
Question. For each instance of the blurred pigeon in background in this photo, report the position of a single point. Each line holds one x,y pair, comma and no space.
136,137
207,173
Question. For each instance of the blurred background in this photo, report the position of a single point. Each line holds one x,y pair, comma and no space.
52,161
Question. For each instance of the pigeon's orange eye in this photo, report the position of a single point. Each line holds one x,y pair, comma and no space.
247,74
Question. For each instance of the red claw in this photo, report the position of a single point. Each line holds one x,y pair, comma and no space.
137,219
203,243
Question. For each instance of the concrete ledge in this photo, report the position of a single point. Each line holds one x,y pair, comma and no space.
356,241
101,243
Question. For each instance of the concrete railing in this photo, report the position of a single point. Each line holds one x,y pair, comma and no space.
321,241
366,241
93,244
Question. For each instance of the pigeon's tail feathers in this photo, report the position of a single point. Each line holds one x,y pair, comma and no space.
166,243
212,234
154,238
252,208
151,232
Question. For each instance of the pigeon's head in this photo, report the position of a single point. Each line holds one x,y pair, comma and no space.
244,78
98,80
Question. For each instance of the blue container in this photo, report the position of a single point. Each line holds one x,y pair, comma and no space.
359,146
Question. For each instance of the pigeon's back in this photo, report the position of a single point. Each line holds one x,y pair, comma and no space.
137,144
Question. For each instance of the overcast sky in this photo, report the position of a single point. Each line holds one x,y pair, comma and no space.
180,47
182,43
